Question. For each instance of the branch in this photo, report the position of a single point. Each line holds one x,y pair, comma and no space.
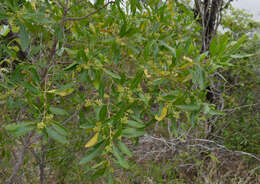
226,5
86,16
20,159
17,166
40,162
178,144
239,107
74,114
53,48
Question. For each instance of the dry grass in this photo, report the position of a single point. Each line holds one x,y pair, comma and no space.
196,161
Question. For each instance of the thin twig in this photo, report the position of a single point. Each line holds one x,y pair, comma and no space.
204,144
243,106
74,114
20,159
86,16
17,166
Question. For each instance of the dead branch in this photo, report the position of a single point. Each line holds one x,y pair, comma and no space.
88,15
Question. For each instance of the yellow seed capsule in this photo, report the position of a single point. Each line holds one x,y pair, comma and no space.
106,95
98,123
111,170
98,102
187,59
97,129
86,51
88,103
41,125
146,73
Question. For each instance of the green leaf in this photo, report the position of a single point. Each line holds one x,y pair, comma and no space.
175,129
201,77
59,33
35,50
92,153
131,132
20,129
124,148
102,113
24,37
60,129
223,45
71,66
135,124
98,165
133,6
189,107
137,80
64,90
101,89
100,172
96,82
110,179
30,87
173,51
58,111
240,56
216,112
123,29
56,136
99,3
121,160
4,30
112,74
87,126
236,45
14,126
35,76
213,46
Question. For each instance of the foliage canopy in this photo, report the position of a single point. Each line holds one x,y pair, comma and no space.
91,75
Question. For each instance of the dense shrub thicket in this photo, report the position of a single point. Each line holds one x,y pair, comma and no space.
83,84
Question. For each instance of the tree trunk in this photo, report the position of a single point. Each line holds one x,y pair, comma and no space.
209,14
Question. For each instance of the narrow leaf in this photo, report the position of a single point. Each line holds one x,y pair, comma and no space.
24,37
112,74
30,87
58,111
163,114
60,129
124,148
92,141
240,56
102,113
137,80
131,132
64,90
20,129
189,107
120,158
93,153
135,124
173,51
56,136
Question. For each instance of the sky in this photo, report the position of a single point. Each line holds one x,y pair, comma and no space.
252,6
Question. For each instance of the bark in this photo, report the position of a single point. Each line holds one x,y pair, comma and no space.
209,13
